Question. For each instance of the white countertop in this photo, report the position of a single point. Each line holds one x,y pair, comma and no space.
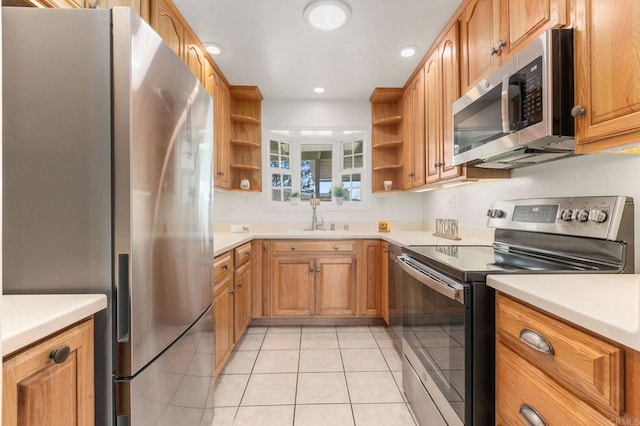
608,305
28,318
224,241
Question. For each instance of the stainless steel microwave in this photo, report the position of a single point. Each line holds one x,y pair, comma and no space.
521,113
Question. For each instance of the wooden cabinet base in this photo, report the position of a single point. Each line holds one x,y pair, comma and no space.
39,391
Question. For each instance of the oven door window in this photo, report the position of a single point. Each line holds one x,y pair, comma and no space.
433,327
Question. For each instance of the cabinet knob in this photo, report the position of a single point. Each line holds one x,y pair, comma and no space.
225,266
246,253
336,248
437,164
318,269
293,248
60,355
265,247
239,285
577,111
232,291
530,416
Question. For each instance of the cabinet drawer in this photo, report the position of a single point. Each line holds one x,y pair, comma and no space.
521,387
222,265
302,246
586,364
242,254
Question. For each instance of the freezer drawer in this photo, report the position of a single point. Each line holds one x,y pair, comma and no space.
177,387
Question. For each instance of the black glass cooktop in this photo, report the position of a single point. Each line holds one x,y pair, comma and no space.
474,263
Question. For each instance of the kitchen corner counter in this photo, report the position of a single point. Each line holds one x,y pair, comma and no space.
224,241
608,305
29,318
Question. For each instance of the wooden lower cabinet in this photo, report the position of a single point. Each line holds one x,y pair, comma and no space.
552,371
242,300
370,277
292,285
39,391
335,281
223,321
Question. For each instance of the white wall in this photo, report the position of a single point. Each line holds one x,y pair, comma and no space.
594,174
404,210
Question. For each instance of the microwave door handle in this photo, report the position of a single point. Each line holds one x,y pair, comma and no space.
506,122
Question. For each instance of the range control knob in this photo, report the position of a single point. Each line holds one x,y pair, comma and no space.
582,215
497,213
566,215
597,215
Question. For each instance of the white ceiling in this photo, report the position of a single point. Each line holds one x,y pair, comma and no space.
267,43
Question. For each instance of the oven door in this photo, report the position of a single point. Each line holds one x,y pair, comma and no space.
448,342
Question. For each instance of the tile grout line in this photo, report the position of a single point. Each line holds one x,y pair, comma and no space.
346,382
246,386
295,393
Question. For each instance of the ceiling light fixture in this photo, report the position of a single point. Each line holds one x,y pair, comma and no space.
213,48
327,15
408,51
319,90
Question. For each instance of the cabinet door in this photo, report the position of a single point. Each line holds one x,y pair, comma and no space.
336,286
384,284
369,278
414,156
38,391
168,26
223,319
449,93
194,56
242,312
222,134
480,29
526,19
292,286
607,73
432,117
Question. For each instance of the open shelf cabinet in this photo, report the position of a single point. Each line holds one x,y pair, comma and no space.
386,138
246,137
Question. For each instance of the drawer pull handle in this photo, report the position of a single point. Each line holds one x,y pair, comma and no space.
530,416
536,341
336,248
60,355
246,253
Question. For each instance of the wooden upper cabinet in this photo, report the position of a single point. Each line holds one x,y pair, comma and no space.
194,56
222,134
168,25
480,33
607,74
526,19
442,89
432,116
414,133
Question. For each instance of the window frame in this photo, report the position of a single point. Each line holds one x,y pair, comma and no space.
337,140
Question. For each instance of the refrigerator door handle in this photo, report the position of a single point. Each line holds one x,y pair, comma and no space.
123,308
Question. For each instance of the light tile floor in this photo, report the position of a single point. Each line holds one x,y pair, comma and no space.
313,375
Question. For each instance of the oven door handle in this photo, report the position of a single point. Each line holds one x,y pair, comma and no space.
450,292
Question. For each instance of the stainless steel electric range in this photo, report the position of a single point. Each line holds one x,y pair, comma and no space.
448,322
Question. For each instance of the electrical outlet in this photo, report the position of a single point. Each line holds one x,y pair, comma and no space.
452,201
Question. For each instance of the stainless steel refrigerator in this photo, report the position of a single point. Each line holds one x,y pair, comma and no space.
108,189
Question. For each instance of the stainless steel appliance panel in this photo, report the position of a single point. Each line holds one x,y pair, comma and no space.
163,243
395,295
177,388
57,162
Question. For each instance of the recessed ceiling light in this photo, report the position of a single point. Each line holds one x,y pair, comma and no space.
213,48
319,90
327,15
408,51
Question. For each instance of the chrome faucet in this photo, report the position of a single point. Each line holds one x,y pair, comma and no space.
314,218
